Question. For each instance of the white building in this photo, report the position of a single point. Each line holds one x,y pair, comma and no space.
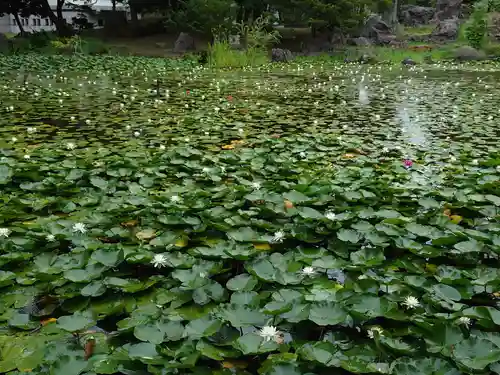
35,23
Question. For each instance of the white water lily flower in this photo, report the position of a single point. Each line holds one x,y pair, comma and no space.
13,139
330,215
256,185
5,232
136,134
162,147
175,199
411,302
27,157
205,170
308,271
159,261
475,162
88,122
79,227
31,129
371,332
279,236
385,150
464,320
50,238
302,155
269,333
70,146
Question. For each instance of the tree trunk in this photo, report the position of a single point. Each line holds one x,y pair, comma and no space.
19,24
62,28
394,15
113,4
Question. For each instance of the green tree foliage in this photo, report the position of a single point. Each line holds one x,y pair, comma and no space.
477,26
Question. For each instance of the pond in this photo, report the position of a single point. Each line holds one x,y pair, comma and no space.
161,216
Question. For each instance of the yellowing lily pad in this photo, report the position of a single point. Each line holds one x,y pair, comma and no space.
262,246
146,234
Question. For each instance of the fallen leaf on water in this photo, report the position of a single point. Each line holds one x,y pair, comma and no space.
288,204
447,212
48,321
234,364
228,147
349,156
130,223
261,246
456,219
181,242
146,234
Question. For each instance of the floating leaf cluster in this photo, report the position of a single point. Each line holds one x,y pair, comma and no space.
148,224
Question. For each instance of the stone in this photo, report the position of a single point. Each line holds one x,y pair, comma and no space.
362,41
367,59
184,43
446,29
378,30
235,41
414,15
408,62
446,9
281,55
466,53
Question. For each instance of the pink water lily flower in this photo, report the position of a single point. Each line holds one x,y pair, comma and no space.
407,163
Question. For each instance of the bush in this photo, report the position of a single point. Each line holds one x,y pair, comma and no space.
477,26
222,55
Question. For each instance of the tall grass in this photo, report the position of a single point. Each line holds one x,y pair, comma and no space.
222,55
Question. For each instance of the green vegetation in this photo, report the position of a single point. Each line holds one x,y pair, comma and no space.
161,217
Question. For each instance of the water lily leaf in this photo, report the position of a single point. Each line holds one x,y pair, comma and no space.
471,246
75,322
309,213
327,314
245,234
94,289
241,316
322,352
5,174
68,366
150,333
108,257
243,282
143,350
99,182
423,366
214,352
348,235
252,343
476,353
202,327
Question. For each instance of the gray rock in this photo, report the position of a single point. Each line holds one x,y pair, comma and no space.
446,29
378,30
184,43
362,41
446,9
281,55
467,53
408,62
414,15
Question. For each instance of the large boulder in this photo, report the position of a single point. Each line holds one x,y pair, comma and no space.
362,41
414,15
446,9
446,29
467,53
281,55
376,29
184,43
